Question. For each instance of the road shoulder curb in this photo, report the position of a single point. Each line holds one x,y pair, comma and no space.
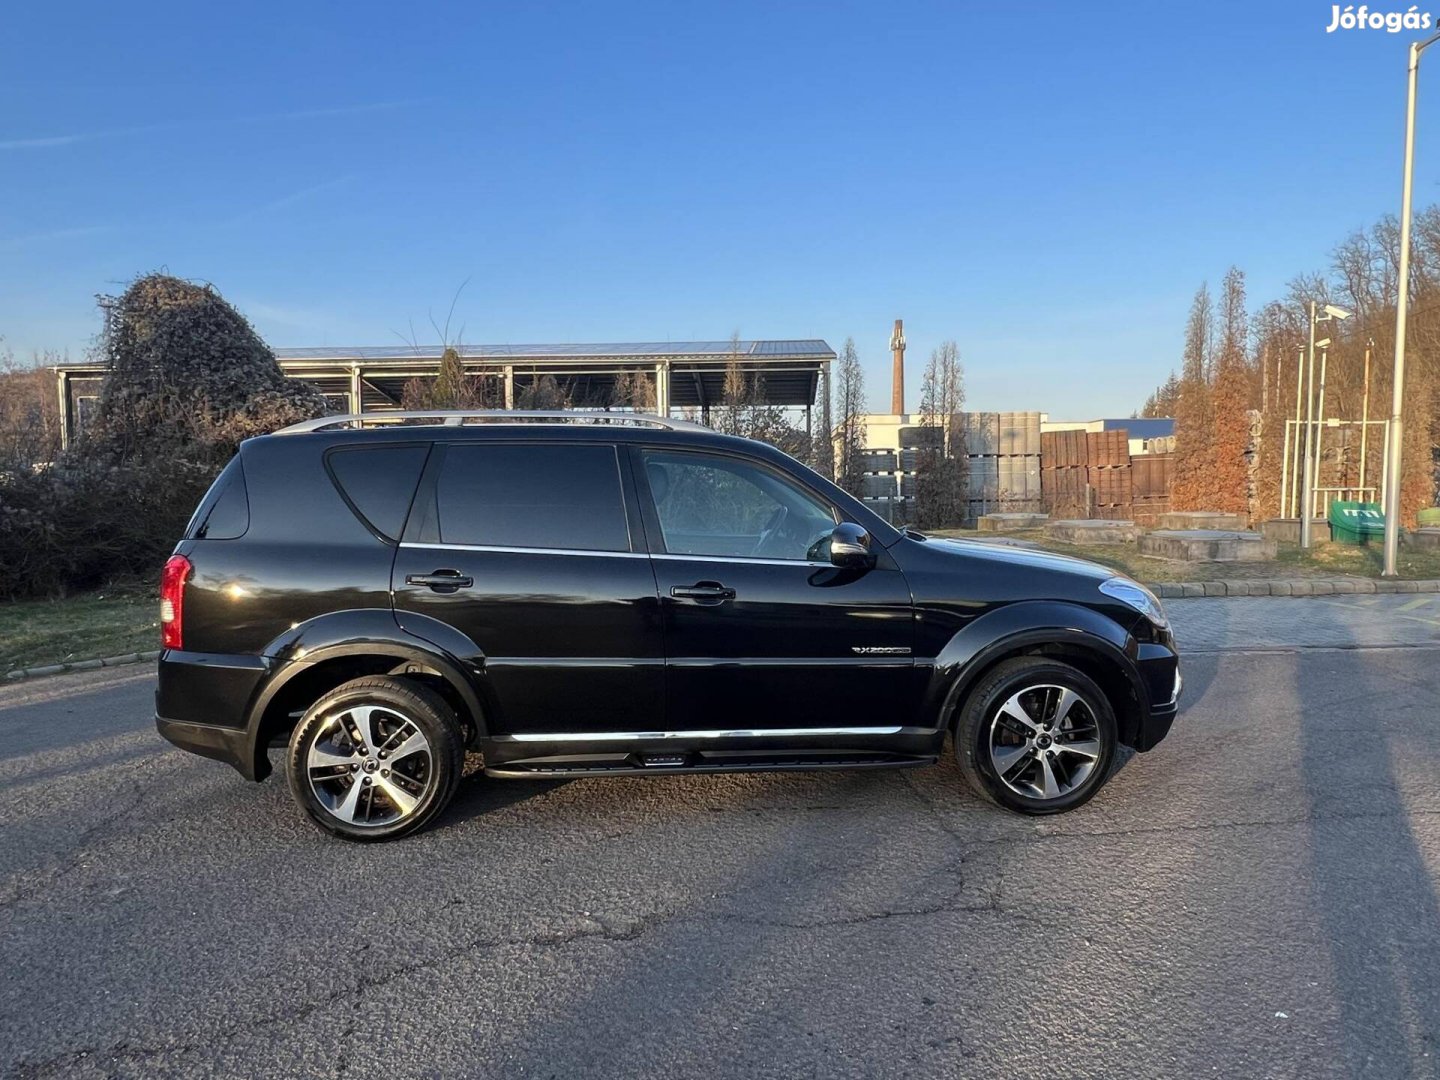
1179,590
79,665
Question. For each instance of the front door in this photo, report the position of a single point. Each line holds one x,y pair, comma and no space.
761,631
533,551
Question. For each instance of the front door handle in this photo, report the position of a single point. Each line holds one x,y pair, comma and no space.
704,591
441,580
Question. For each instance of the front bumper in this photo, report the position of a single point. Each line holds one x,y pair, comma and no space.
1160,671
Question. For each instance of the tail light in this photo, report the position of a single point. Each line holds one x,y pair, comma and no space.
172,601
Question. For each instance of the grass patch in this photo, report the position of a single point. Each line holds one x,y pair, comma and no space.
35,633
1328,560
1360,560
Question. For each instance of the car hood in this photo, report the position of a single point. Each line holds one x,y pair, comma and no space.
1030,557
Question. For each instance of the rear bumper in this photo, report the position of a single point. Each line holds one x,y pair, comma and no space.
202,702
229,745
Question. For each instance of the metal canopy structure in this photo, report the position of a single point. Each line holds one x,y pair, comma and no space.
687,373
681,374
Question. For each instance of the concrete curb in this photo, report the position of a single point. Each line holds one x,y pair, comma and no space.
1289,587
80,665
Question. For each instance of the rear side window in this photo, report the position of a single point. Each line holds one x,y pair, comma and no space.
535,496
224,513
379,482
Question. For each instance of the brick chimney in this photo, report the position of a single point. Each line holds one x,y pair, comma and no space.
897,352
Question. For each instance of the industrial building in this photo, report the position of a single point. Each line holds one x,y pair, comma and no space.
679,375
1013,458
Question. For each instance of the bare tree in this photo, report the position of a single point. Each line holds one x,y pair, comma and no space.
745,409
849,438
29,412
633,390
822,435
941,491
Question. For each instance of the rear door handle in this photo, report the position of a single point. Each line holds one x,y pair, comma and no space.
441,580
704,591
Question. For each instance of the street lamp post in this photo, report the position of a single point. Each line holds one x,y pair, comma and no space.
1312,443
1402,304
1307,487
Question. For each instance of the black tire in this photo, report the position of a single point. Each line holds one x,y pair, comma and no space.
982,734
341,787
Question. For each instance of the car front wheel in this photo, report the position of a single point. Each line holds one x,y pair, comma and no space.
375,758
1036,736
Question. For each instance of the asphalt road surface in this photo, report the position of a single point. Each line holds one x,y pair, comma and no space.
1256,898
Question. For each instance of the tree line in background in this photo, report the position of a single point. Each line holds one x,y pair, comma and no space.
1239,378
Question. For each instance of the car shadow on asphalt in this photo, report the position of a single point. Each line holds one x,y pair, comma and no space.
478,795
1371,886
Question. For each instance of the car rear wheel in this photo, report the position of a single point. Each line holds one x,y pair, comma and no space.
1036,736
375,758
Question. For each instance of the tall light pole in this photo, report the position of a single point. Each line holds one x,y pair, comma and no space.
1312,455
1402,304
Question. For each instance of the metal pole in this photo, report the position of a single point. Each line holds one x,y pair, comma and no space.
1285,470
1394,437
1365,417
1294,462
1320,430
1307,485
1385,464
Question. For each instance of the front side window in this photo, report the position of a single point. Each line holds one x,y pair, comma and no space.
716,505
532,496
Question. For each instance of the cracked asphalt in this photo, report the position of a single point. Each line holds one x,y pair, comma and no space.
1255,898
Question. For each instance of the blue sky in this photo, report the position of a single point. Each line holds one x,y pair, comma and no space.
1046,184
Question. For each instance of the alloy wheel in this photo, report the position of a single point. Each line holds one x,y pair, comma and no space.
1044,741
369,765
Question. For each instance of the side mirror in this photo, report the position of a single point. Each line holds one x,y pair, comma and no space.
850,546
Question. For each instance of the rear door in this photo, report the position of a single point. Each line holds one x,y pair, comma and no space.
761,630
534,550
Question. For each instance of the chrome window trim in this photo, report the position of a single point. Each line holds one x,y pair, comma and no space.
669,557
737,733
500,549
506,550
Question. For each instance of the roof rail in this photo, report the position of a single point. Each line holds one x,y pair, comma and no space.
459,417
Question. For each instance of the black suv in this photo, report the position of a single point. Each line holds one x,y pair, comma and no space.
579,594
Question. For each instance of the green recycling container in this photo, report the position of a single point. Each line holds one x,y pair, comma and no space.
1428,518
1356,522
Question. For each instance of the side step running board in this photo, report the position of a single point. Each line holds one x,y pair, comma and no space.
676,764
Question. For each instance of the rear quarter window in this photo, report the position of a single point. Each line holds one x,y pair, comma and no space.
224,513
379,482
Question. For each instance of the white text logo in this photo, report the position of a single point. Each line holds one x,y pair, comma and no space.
1351,17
